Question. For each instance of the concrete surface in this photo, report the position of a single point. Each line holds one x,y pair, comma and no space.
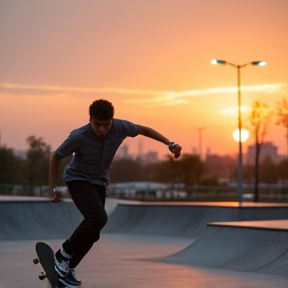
127,261
153,245
236,247
24,218
264,224
186,219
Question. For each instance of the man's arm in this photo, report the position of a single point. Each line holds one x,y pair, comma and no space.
53,175
153,134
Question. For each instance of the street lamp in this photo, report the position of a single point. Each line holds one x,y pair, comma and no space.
240,172
200,140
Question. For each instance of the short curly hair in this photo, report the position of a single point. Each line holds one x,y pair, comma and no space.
101,109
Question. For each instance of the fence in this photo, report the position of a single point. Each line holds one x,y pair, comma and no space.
202,193
270,193
21,190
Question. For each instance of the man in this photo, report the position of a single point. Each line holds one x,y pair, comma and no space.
93,147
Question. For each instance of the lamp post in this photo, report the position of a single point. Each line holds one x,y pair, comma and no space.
200,140
240,161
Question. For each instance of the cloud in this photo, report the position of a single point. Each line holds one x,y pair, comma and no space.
233,111
155,97
47,89
170,97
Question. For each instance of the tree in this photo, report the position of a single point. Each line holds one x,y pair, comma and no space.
159,171
188,170
265,174
248,173
9,166
191,168
126,170
282,171
259,117
38,156
173,170
282,117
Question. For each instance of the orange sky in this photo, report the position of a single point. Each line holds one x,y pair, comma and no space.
151,58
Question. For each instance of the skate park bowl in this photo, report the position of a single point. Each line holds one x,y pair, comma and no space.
223,235
36,218
251,237
254,246
188,219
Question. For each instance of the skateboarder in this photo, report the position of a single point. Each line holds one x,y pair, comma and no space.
93,147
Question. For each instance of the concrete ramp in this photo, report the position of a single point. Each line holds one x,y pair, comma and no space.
185,219
23,220
253,248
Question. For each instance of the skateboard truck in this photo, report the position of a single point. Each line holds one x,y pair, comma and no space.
42,275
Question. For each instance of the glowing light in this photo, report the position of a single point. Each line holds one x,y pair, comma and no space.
262,63
216,61
259,63
244,135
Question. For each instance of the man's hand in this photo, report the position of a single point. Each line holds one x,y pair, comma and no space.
55,196
175,149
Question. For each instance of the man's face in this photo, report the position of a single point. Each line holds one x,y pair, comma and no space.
101,127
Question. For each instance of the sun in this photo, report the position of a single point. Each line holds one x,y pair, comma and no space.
244,135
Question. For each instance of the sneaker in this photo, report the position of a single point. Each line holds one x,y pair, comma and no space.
62,285
61,264
70,279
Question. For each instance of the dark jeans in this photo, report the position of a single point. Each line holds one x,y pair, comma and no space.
90,200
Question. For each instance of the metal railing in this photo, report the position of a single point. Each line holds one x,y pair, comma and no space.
271,193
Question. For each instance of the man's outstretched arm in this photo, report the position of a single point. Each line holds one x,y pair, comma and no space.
153,134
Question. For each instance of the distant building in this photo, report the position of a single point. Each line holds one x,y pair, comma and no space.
123,152
268,150
145,158
151,157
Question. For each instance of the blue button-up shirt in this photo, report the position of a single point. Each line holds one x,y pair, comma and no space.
92,156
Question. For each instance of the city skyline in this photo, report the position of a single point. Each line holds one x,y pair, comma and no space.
150,58
268,149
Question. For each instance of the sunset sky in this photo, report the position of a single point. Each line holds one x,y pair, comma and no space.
151,58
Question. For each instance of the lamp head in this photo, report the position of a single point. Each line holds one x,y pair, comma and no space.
216,61
258,63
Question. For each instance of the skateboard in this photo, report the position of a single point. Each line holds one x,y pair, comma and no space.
45,257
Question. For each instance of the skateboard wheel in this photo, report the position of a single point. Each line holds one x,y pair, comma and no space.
36,261
42,276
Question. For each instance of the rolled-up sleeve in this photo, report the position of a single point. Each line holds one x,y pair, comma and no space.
69,146
130,129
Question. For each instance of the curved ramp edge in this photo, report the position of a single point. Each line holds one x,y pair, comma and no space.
237,248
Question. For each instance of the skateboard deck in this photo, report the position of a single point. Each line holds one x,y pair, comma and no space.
45,257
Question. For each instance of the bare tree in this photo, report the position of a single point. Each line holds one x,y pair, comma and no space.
259,118
282,117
